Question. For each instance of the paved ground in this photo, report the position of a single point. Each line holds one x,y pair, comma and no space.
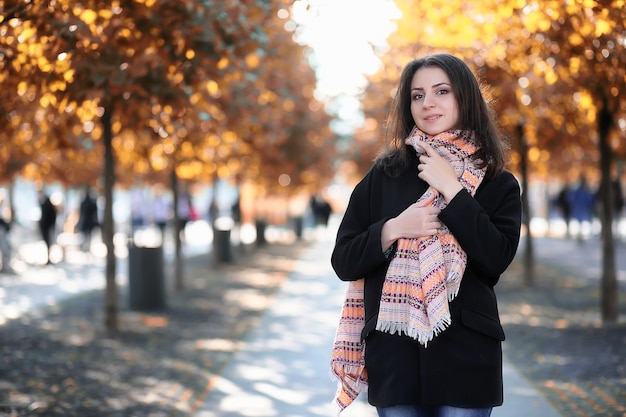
253,339
282,368
555,334
57,360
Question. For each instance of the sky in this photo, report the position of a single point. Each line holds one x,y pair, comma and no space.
341,34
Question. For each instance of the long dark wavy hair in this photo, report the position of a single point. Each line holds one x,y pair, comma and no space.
474,115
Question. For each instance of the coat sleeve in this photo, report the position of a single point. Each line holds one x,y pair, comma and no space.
358,250
488,226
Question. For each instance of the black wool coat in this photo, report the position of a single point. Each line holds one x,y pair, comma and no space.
462,366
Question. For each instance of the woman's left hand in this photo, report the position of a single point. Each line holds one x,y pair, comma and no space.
438,173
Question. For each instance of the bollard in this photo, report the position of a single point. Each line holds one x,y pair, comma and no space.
222,247
146,278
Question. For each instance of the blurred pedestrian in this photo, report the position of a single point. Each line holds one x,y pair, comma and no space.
214,211
618,198
185,210
235,210
321,210
137,208
5,242
87,218
563,205
161,212
47,221
617,202
582,200
425,237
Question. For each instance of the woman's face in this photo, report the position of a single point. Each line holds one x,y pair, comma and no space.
433,105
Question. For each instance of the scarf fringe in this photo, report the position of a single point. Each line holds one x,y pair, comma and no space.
423,337
351,380
452,293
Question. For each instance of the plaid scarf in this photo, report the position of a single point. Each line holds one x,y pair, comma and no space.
422,278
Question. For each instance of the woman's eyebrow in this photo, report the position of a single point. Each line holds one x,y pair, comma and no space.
434,86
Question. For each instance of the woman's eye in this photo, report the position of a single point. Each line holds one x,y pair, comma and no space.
443,91
418,96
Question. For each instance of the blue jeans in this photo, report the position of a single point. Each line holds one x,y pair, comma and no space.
432,411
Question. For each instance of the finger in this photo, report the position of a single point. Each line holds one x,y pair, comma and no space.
432,230
427,202
430,151
434,224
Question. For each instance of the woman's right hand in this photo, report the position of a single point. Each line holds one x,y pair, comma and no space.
418,220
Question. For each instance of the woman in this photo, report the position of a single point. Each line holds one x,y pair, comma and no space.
425,237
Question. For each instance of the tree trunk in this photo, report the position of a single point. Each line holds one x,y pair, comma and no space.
12,200
529,256
178,258
111,306
609,292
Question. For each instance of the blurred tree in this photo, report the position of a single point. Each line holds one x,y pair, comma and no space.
151,71
287,131
569,62
584,46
